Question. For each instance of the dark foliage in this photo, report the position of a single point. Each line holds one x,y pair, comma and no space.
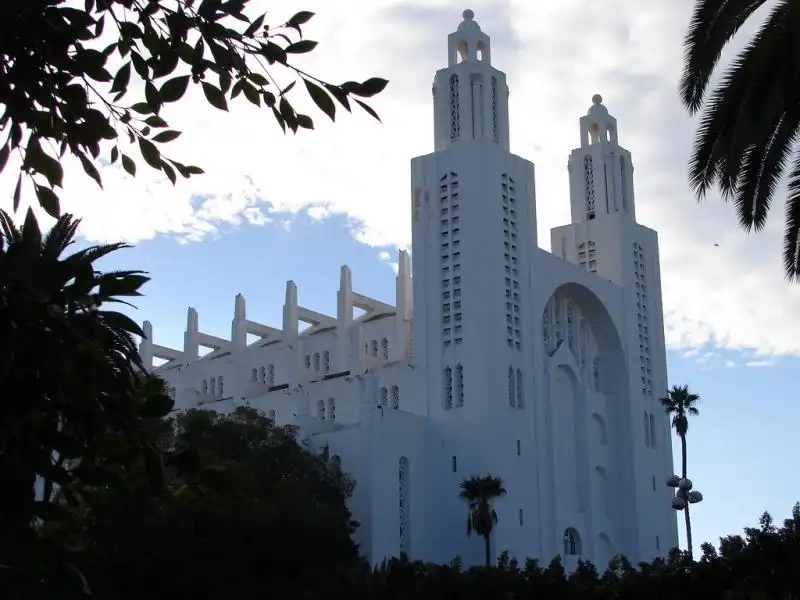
66,69
244,508
75,405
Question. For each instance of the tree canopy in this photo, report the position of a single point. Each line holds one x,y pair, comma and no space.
89,79
244,507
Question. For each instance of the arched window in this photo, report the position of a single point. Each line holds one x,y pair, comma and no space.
205,386
520,390
331,409
307,361
459,385
447,392
326,361
572,542
403,503
271,415
395,397
385,348
321,410
511,390
384,397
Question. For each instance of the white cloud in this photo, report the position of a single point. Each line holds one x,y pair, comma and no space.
729,364
760,364
556,54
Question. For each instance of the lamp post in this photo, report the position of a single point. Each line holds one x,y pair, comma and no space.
684,496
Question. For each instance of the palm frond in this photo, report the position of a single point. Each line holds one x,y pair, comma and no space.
791,236
713,24
60,236
747,101
9,230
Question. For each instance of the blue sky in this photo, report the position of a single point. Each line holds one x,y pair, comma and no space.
272,208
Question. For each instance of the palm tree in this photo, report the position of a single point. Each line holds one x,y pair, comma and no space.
750,121
479,492
73,369
680,405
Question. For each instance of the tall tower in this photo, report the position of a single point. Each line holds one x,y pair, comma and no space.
473,234
604,238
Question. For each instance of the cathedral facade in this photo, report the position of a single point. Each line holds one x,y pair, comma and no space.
543,368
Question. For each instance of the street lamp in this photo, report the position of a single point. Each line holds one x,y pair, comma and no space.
683,493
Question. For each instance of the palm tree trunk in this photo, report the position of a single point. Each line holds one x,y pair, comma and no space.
686,516
488,548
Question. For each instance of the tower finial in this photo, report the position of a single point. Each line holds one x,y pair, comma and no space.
597,99
468,14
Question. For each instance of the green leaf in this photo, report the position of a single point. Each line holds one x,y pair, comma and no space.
174,89
4,154
305,122
143,108
129,165
300,18
150,153
122,78
214,96
17,192
251,93
114,154
257,78
301,47
90,169
368,88
369,110
152,96
155,121
321,99
40,162
48,200
166,136
254,26
169,172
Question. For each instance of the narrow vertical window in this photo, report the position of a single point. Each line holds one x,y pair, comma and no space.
316,361
511,390
588,176
331,409
520,390
403,504
519,448
395,397
384,397
455,464
447,391
271,375
385,348
326,362
261,372
646,430
455,113
495,131
374,347
221,386
321,410
652,431
212,386
253,374
459,385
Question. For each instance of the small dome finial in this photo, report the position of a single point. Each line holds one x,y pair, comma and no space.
468,15
597,99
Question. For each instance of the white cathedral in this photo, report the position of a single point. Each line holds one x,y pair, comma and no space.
542,368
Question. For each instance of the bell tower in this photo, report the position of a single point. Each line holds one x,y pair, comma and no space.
470,97
600,170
